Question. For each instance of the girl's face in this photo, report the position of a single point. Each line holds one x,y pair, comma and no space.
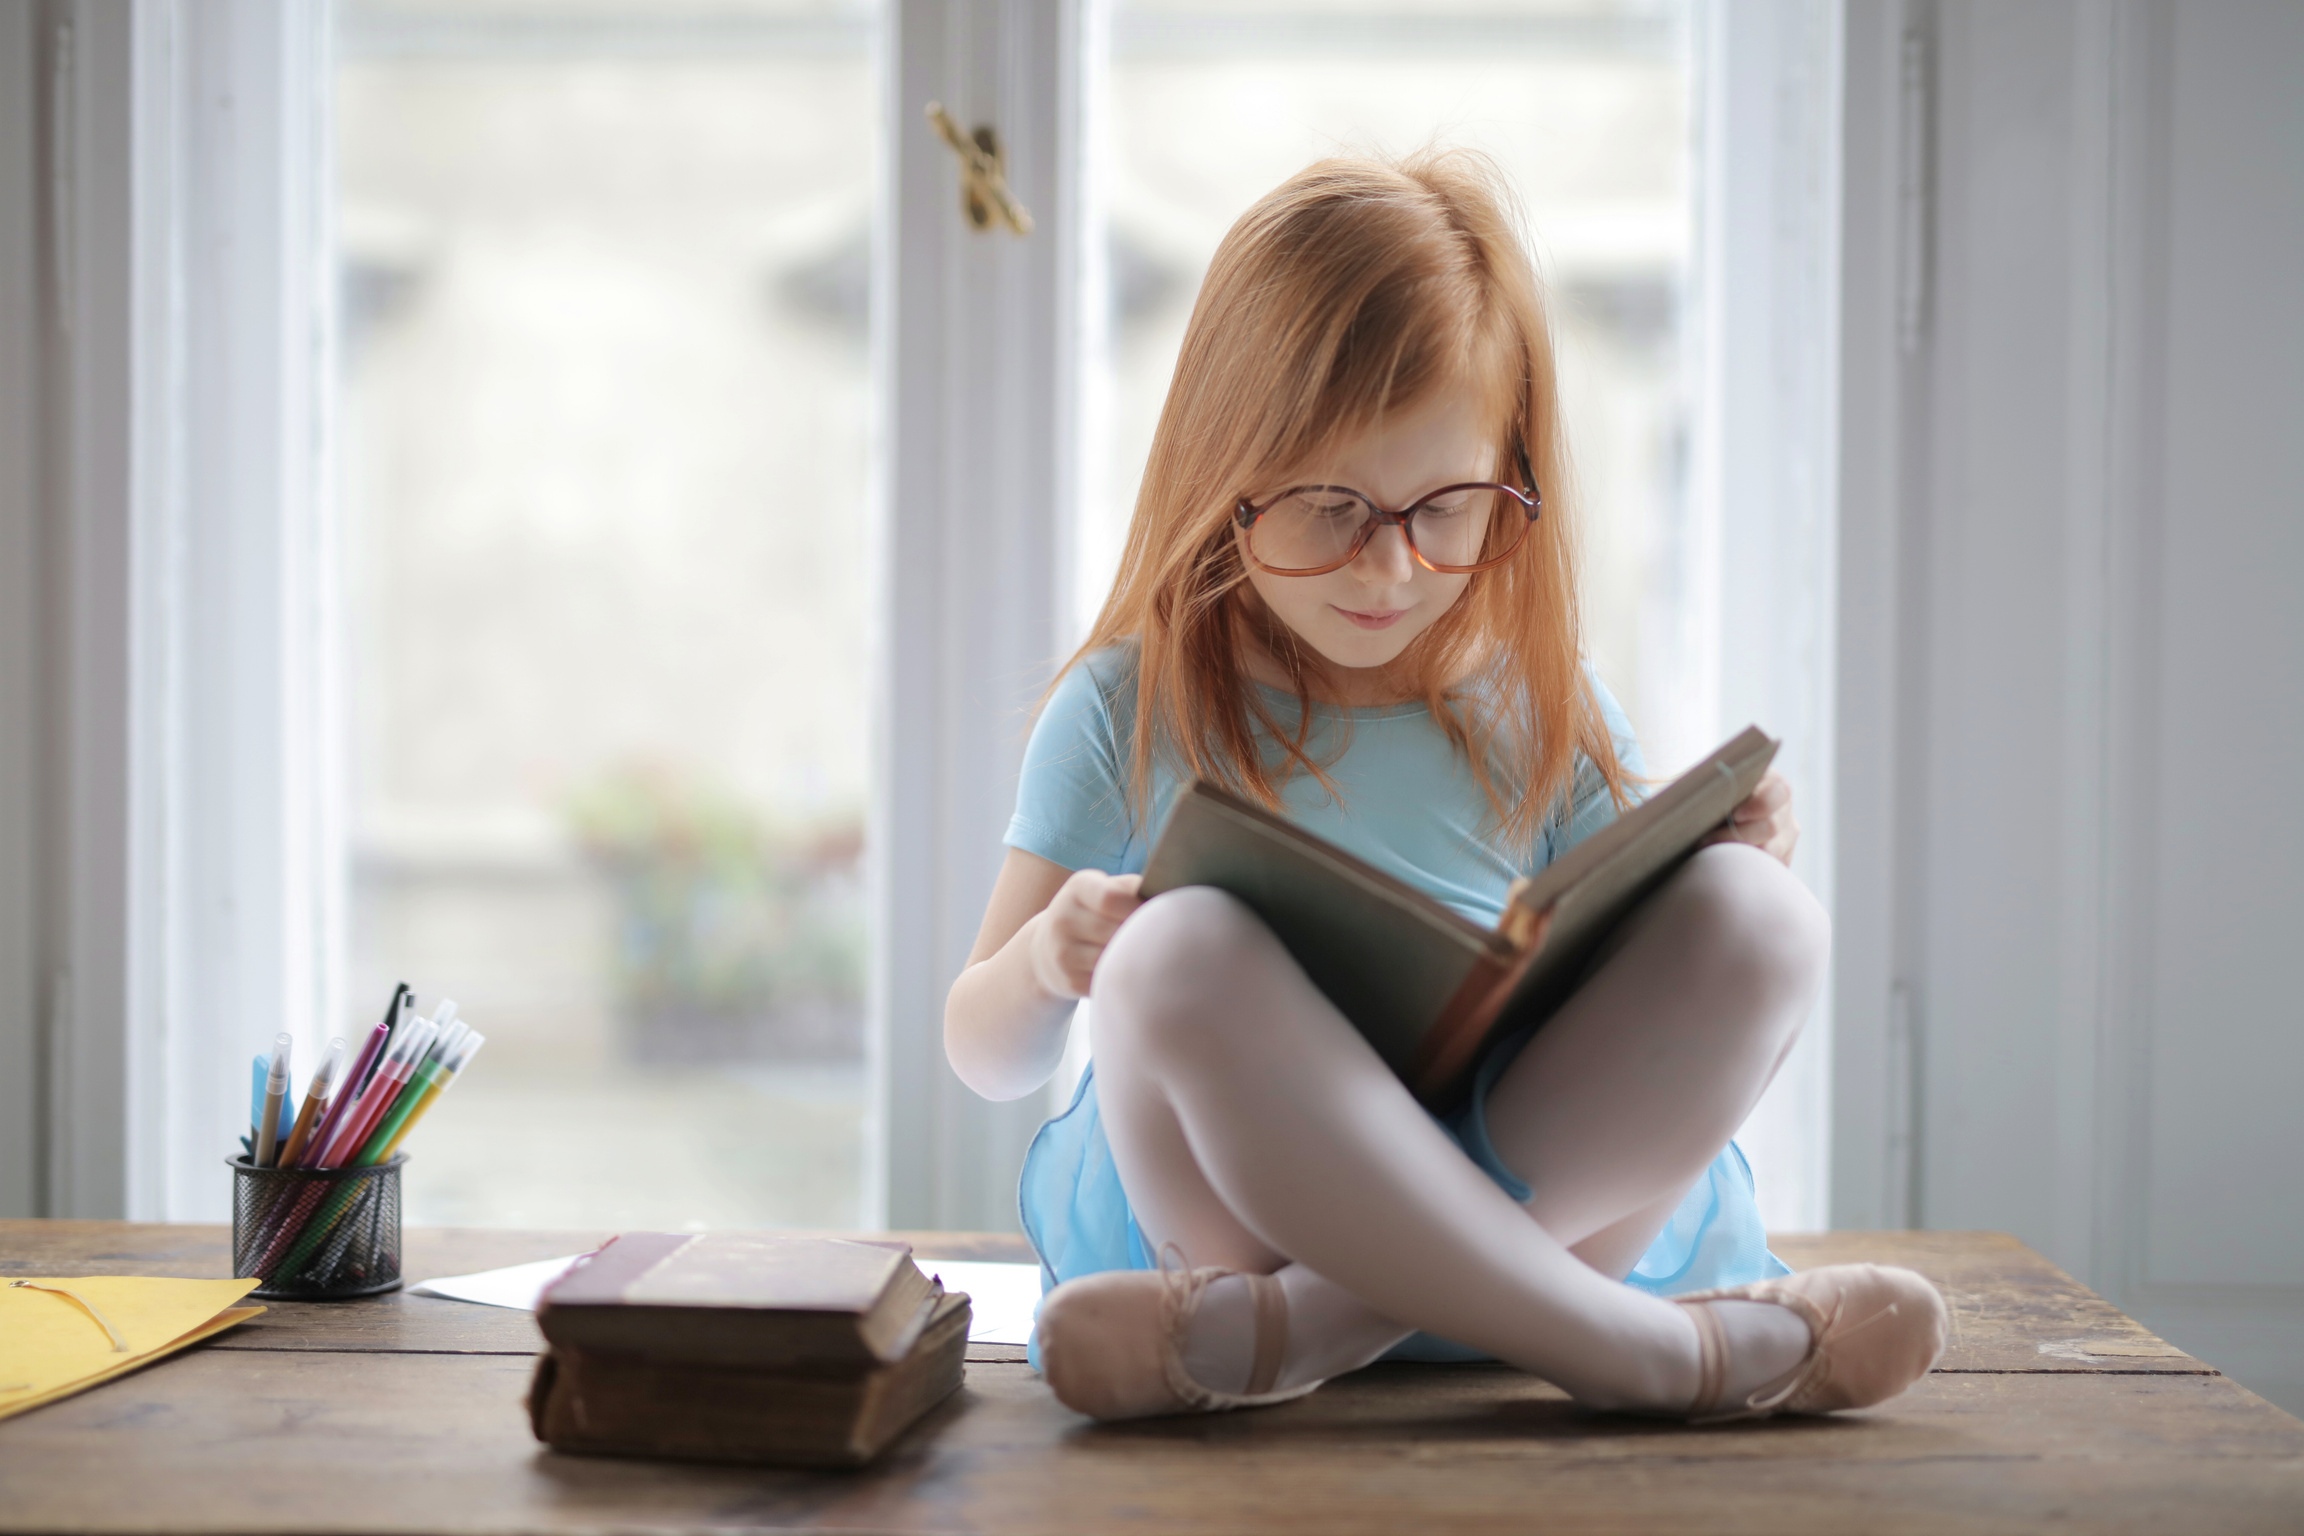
1363,615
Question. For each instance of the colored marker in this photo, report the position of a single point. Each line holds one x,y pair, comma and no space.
275,1099
444,1080
315,1100
342,1104
384,1084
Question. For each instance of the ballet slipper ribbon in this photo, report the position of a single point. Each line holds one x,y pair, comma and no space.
1271,1333
119,1344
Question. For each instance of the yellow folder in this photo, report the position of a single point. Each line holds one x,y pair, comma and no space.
58,1336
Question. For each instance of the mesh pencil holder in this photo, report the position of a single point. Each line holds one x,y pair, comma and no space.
314,1234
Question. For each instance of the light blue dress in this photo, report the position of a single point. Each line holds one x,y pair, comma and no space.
1407,803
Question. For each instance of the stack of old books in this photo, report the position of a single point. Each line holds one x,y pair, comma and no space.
794,1351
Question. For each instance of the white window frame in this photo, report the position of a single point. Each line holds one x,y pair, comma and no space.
187,830
24,579
978,360
1765,478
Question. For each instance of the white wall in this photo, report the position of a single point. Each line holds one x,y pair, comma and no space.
2070,652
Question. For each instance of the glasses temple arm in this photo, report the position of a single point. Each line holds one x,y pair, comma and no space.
1527,471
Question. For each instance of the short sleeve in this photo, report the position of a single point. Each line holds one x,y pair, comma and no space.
1590,806
1072,799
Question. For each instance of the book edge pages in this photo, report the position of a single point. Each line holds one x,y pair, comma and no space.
908,1329
1556,879
902,1394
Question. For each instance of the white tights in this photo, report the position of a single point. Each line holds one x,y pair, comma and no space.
1253,1127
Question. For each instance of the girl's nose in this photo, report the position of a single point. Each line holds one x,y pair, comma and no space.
1387,557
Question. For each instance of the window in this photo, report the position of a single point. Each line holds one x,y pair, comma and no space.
604,402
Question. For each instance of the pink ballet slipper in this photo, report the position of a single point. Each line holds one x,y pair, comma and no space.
1874,1330
1112,1344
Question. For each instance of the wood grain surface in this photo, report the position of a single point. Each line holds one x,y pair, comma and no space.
403,1414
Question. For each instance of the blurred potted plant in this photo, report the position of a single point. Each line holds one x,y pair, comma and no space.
738,939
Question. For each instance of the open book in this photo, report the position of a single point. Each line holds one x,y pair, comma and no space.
1427,986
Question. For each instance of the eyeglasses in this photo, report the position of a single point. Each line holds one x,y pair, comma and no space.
1309,530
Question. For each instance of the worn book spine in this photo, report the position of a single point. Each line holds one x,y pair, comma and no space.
1442,1065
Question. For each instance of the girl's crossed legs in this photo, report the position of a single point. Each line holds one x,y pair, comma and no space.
1253,1127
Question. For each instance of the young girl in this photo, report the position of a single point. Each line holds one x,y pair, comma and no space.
1349,593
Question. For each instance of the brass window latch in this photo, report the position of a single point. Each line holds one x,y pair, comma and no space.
984,194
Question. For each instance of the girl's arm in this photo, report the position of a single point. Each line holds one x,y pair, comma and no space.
1044,928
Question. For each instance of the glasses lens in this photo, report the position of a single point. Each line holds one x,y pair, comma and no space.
1465,527
1306,530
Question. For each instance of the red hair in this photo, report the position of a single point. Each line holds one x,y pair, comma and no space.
1356,288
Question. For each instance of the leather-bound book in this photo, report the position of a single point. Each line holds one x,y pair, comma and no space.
1427,986
624,1405
757,1300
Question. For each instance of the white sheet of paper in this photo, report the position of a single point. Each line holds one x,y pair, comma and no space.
1001,1297
519,1286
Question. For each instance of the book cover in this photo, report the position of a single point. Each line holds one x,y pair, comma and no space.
742,1298
1425,985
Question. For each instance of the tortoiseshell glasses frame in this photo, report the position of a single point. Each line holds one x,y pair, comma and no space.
1526,497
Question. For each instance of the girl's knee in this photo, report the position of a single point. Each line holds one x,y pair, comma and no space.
1754,920
1175,960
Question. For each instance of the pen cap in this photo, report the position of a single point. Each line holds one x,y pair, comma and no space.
324,1076
276,1080
445,1046
445,1014
419,1041
464,1054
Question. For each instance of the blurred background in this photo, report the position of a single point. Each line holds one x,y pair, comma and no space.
605,455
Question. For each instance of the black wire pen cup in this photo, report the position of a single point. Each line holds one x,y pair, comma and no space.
316,1234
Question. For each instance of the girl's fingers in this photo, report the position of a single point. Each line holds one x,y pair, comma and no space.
1091,933
1773,794
1095,922
1075,963
1776,834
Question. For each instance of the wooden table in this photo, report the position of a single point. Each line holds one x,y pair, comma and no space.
403,1413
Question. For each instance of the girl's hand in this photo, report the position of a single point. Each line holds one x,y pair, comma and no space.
1081,919
1765,820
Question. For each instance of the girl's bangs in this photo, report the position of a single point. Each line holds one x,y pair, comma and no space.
1355,399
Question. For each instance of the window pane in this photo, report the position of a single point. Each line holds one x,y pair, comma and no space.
1585,106
603,427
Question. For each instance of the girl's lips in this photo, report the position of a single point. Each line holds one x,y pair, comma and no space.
1372,620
